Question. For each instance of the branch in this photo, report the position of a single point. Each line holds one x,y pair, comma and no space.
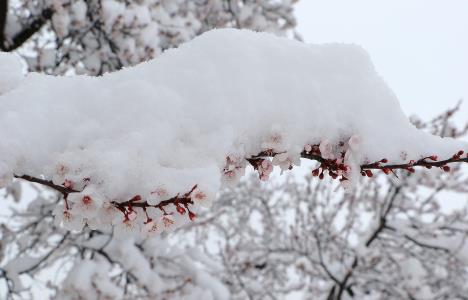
3,20
63,190
27,32
335,166
424,162
322,262
383,217
46,256
420,244
341,286
180,202
326,164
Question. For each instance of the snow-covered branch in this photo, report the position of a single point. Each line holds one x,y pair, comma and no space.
131,145
183,203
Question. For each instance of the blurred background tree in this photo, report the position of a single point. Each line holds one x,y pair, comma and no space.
98,36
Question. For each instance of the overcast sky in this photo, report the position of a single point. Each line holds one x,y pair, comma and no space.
420,47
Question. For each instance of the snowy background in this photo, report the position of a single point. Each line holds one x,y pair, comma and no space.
418,46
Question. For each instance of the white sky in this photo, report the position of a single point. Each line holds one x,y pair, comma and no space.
420,47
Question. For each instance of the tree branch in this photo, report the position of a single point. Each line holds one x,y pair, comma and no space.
63,190
178,201
322,262
46,256
331,165
418,243
181,202
343,285
424,162
26,33
3,20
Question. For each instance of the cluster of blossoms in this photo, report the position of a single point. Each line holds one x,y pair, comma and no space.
335,159
149,216
263,166
234,169
158,211
334,165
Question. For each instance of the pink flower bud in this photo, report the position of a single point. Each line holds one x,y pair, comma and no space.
87,200
180,210
68,184
192,216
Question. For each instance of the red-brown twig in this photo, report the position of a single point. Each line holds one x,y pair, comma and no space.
185,199
178,201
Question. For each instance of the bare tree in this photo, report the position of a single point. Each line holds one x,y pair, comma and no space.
98,36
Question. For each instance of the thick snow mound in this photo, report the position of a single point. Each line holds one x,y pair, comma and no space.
196,112
11,72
